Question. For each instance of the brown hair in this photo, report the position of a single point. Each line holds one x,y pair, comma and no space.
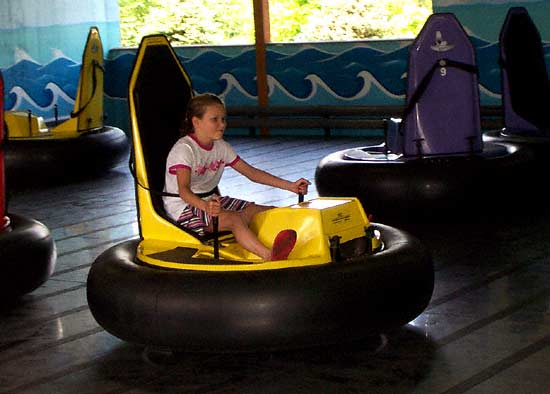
197,107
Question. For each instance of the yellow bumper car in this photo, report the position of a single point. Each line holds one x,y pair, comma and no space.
81,144
345,279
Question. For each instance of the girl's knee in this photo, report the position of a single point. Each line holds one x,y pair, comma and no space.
252,210
229,220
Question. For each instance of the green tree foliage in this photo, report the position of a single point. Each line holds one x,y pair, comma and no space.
360,19
132,17
288,18
185,21
232,21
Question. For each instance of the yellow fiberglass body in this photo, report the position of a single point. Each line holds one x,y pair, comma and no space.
23,124
87,114
319,223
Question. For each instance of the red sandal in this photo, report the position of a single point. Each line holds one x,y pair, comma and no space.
283,244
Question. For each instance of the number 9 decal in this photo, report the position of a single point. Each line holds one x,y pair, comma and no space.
442,69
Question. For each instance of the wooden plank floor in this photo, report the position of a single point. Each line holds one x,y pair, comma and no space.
486,330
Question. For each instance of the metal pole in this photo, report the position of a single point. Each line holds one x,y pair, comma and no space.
216,236
4,220
263,36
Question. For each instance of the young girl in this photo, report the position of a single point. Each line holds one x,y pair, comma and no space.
194,168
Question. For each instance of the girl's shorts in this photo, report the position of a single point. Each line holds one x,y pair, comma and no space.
197,220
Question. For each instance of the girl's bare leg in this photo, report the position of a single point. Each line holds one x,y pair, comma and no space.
237,223
251,210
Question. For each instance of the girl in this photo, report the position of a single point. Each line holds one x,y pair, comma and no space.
194,168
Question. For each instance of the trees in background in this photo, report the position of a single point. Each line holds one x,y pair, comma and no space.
187,21
232,21
358,19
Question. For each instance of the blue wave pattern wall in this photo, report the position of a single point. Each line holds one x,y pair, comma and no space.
41,45
349,73
358,75
31,86
311,75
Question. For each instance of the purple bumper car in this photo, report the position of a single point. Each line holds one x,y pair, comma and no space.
525,86
434,162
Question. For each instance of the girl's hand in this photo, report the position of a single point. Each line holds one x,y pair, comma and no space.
300,186
213,206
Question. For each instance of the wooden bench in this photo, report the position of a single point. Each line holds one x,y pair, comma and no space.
329,118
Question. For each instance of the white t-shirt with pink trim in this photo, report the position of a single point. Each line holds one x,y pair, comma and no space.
205,163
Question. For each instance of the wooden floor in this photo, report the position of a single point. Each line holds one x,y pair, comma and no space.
486,330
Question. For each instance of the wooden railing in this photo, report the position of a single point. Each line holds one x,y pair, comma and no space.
329,118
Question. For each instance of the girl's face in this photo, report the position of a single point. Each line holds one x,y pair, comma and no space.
212,124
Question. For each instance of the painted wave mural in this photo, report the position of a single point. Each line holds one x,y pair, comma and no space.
360,75
30,86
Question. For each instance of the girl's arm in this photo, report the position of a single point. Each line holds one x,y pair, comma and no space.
211,206
265,178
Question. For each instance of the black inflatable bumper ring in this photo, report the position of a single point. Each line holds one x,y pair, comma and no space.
27,256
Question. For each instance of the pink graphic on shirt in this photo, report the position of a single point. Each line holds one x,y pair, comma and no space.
213,166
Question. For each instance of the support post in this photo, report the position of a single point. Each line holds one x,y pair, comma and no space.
4,220
263,36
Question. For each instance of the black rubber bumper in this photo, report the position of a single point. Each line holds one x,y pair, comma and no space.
428,189
27,256
539,143
30,161
261,310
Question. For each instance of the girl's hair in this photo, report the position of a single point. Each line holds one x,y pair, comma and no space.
197,107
